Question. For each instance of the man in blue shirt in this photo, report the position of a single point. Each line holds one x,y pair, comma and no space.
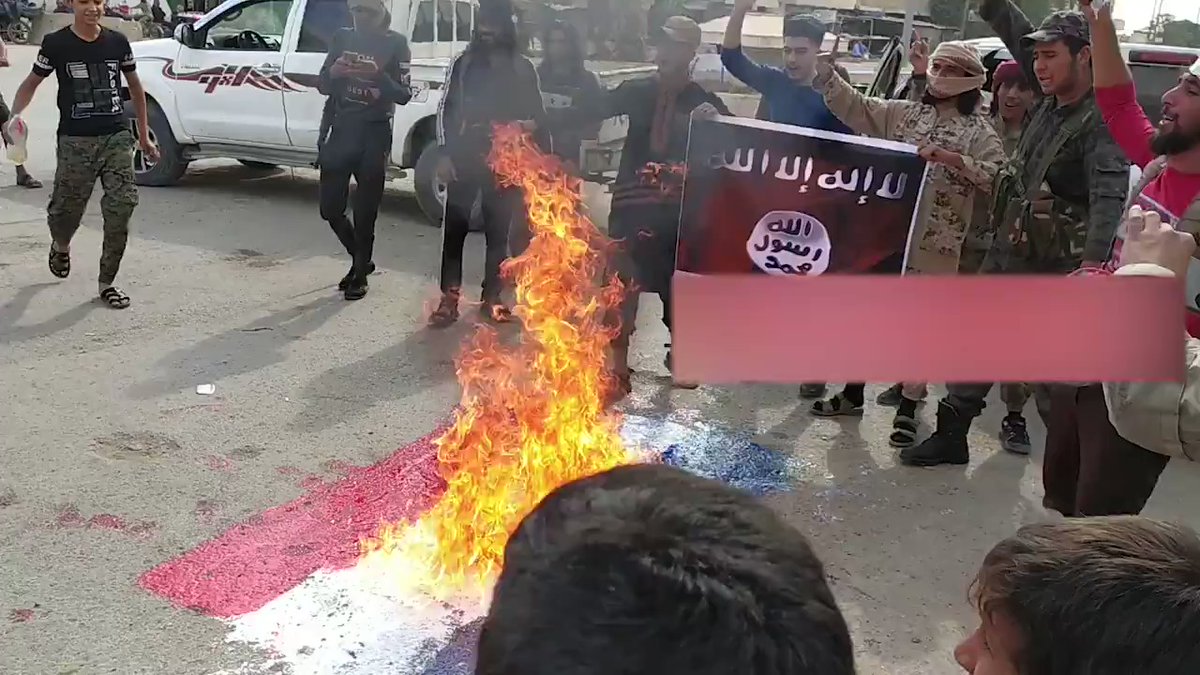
787,91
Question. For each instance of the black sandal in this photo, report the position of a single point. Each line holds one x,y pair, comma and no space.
345,282
446,312
60,263
904,432
838,406
27,181
115,297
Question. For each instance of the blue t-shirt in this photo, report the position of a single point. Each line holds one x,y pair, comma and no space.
788,102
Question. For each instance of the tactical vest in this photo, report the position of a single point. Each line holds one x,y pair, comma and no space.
1051,242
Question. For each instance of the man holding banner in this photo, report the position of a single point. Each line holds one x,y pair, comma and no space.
965,153
645,204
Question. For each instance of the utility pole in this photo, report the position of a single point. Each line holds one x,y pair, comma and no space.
966,14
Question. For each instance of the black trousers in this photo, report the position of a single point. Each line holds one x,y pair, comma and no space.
358,150
644,259
500,210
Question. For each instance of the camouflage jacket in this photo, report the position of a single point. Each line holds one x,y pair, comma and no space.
951,196
1066,149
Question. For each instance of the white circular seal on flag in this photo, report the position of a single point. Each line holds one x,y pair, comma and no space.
789,243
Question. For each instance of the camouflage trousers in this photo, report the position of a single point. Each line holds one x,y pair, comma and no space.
82,160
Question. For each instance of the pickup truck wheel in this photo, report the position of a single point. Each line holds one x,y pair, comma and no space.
431,192
170,166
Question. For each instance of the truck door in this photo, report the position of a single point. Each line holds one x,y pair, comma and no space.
320,20
229,79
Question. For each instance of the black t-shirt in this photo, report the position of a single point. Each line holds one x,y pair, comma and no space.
374,98
89,80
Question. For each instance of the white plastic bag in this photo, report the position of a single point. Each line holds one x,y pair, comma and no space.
17,134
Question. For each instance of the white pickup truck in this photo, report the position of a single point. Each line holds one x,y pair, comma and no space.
240,83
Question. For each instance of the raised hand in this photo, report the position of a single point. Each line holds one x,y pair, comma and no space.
918,56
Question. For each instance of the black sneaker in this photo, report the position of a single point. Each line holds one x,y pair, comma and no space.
357,288
890,397
1014,436
345,282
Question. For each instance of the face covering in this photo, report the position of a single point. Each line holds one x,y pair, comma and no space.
943,86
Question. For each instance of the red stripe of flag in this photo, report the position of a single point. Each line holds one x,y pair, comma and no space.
269,554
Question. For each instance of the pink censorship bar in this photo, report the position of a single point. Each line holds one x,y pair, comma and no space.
849,328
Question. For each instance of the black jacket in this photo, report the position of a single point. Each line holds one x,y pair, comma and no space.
349,97
481,92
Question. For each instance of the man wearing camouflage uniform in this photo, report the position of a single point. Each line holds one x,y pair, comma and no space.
94,140
1057,202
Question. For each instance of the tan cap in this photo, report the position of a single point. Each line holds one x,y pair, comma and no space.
682,29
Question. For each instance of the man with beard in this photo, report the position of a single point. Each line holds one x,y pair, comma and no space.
787,93
648,192
1066,148
569,92
365,76
489,83
1089,468
964,152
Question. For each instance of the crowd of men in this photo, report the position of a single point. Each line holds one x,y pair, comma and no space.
1038,184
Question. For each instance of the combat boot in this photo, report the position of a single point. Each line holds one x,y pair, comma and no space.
947,445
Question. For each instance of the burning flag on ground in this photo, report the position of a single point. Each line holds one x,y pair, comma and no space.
294,580
532,415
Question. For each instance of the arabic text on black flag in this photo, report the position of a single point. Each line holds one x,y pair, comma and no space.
763,198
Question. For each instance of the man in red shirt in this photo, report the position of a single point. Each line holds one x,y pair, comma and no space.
1089,469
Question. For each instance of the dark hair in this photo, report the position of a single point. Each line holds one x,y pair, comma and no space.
499,13
966,102
574,44
648,569
1098,596
804,26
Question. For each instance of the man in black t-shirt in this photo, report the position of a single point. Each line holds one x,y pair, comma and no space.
93,137
365,76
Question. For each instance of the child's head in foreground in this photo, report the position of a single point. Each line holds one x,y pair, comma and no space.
1092,596
648,570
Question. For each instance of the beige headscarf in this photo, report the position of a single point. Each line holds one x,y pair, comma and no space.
963,56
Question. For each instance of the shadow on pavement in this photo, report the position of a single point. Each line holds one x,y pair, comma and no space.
245,349
422,360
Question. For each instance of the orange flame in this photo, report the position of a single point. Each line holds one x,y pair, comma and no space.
532,415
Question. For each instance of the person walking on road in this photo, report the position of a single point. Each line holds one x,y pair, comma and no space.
365,76
490,83
94,141
23,177
1066,148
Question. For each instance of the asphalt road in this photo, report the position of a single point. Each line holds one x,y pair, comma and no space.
111,464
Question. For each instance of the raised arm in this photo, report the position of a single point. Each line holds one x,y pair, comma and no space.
733,58
1010,23
865,115
1115,92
